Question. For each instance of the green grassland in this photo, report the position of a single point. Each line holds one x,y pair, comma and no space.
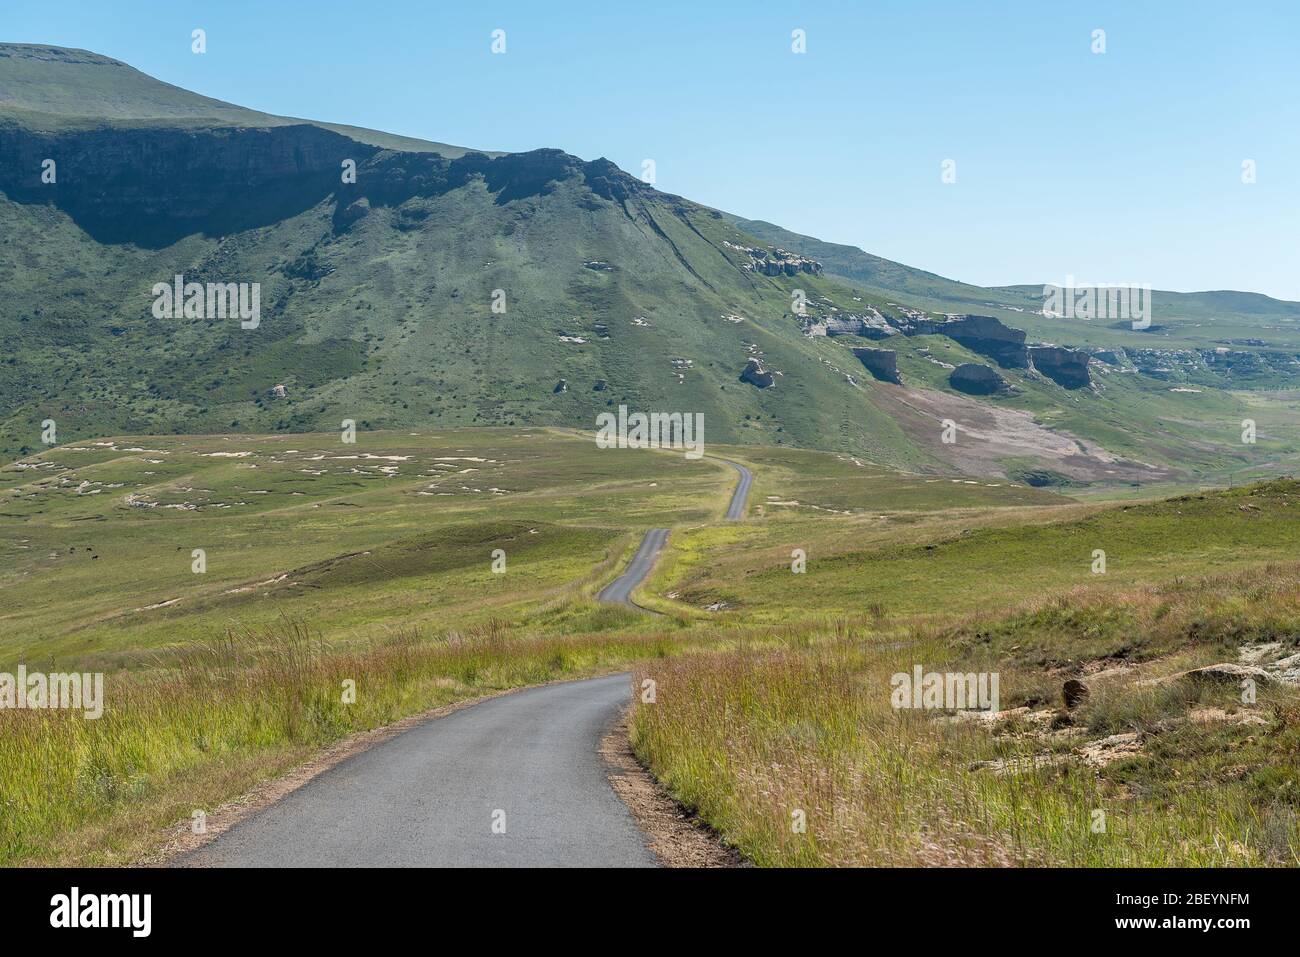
372,562
396,530
798,718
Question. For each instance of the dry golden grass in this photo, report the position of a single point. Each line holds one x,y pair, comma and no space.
174,739
752,738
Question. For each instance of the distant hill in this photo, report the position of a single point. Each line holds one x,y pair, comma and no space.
1243,310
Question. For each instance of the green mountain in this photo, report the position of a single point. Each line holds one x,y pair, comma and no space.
448,287
53,88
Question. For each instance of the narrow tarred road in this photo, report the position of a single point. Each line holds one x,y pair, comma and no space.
515,781
740,497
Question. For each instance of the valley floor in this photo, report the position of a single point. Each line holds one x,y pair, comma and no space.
232,588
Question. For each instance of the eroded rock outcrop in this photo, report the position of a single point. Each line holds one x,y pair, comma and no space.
975,379
987,336
868,326
777,262
881,363
1068,368
756,375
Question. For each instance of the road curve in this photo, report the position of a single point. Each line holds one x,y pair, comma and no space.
429,797
619,591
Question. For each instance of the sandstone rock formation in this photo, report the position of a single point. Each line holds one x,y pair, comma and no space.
985,335
881,363
756,375
1068,368
779,262
869,327
988,337
975,379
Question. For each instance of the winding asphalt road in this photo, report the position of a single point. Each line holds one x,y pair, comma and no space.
619,591
514,781
429,797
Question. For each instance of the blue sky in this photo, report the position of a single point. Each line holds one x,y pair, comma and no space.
1115,167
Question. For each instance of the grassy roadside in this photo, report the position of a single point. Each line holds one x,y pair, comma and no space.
372,564
1179,770
99,792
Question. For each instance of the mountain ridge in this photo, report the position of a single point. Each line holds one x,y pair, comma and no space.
379,298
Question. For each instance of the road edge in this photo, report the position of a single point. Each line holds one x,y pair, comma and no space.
673,833
180,839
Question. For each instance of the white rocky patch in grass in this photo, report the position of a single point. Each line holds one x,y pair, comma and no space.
242,589
159,604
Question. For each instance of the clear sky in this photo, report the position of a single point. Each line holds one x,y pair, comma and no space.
1124,166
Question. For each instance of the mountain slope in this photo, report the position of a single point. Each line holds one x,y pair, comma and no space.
45,87
377,302
1177,315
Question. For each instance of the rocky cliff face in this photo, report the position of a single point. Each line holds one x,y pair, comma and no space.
868,326
777,262
984,335
1222,365
1066,367
881,363
152,186
156,184
987,336
975,379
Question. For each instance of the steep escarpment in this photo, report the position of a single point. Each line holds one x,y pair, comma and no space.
397,288
1068,368
984,335
153,186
